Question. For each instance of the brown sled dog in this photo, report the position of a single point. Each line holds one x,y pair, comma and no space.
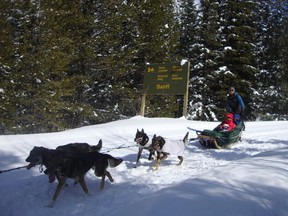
165,147
65,165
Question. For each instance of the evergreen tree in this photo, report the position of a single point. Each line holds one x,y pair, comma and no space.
284,65
22,65
189,35
6,64
188,30
115,77
204,74
67,55
239,40
271,53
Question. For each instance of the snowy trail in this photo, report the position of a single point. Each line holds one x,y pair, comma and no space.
247,172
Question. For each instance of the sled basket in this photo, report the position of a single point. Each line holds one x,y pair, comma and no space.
218,139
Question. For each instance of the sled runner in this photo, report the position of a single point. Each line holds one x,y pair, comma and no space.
219,139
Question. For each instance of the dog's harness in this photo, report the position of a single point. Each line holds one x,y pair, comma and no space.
174,147
143,141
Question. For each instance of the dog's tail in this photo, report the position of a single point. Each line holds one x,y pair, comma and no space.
113,162
185,139
97,147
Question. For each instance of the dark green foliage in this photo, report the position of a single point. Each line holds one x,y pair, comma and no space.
65,64
239,28
204,82
272,58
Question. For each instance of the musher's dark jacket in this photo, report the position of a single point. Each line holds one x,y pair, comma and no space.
235,104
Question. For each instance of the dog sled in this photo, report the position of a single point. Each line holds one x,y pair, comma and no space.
218,139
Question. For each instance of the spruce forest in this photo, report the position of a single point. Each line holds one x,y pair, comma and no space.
66,64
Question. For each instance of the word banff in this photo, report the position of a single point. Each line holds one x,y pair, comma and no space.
162,86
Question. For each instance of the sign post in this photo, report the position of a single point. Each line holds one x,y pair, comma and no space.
166,79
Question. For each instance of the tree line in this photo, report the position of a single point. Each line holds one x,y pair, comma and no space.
67,64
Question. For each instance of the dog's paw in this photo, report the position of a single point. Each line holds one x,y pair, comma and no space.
102,185
50,205
155,168
52,178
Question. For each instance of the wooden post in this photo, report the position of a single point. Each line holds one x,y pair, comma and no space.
143,101
185,105
185,102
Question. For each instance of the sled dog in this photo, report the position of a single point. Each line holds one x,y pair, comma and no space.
168,147
66,165
76,149
142,141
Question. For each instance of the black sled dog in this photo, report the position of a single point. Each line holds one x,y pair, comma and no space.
165,147
142,141
74,149
66,165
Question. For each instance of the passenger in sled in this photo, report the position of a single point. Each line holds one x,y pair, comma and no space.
228,124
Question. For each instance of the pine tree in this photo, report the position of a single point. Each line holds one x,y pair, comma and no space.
67,38
21,65
189,33
204,72
6,64
116,69
239,40
283,100
271,59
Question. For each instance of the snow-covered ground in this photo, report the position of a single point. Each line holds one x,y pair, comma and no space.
249,179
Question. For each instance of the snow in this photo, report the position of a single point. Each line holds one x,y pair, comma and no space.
248,179
183,62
